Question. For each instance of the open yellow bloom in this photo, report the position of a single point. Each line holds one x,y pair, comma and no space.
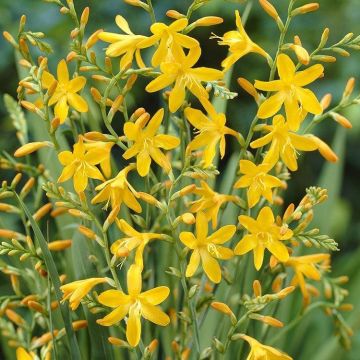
239,44
259,351
76,290
80,165
304,267
181,72
169,38
123,45
66,91
284,143
137,304
211,131
290,92
264,233
134,240
257,180
207,248
22,354
117,191
210,202
147,144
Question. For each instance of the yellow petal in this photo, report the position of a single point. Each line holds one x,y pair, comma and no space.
279,250
134,280
113,298
47,79
22,354
123,24
210,266
160,158
166,142
155,123
246,244
201,226
177,96
62,72
67,173
80,180
286,67
309,75
143,162
179,24
154,314
62,109
161,82
77,102
271,106
275,85
156,296
188,239
303,142
193,263
253,196
309,101
76,84
258,256
66,157
133,328
222,235
266,216
114,316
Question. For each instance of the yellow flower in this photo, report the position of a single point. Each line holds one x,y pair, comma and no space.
211,131
66,91
259,351
80,164
304,267
76,290
257,180
239,44
124,45
134,240
290,92
169,37
22,354
137,304
181,72
117,191
207,248
284,143
264,233
105,147
147,144
210,202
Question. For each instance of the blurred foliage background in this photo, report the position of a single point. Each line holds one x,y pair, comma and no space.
339,216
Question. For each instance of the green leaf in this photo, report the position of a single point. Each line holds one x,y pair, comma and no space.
54,276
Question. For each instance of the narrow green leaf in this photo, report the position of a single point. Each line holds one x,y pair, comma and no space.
54,276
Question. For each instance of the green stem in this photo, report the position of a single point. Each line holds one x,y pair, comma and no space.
151,11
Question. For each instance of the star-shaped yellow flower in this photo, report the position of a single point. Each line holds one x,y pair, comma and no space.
304,267
290,92
211,131
181,72
207,248
147,144
76,290
137,304
257,180
123,45
284,143
106,147
239,44
66,91
134,240
169,37
80,165
264,233
210,202
117,191
259,351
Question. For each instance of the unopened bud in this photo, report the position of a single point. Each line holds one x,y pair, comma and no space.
188,218
326,151
87,232
34,305
173,14
342,120
59,245
349,87
84,17
248,87
326,101
269,9
324,38
257,288
15,317
45,209
31,147
117,342
93,39
285,292
208,21
79,324
305,9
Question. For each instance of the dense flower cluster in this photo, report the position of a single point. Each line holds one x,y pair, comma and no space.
144,196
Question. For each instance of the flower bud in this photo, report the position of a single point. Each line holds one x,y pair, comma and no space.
173,14
59,245
79,324
305,9
248,87
117,342
93,39
208,21
31,147
349,87
342,120
257,288
269,9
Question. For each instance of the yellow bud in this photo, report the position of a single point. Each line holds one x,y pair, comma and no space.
93,39
15,318
34,305
130,82
111,218
285,292
209,21
64,10
122,252
26,299
9,234
187,189
58,211
185,355
325,150
221,307
248,87
271,321
95,94
84,17
8,37
173,14
133,2
342,120
24,63
153,345
95,136
116,104
188,218
326,101
74,33
349,87
148,199
101,78
324,58
257,288
175,346
117,342
42,211
31,147
29,106
269,9
301,53
79,324
346,307
305,9
71,56
59,245
324,37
